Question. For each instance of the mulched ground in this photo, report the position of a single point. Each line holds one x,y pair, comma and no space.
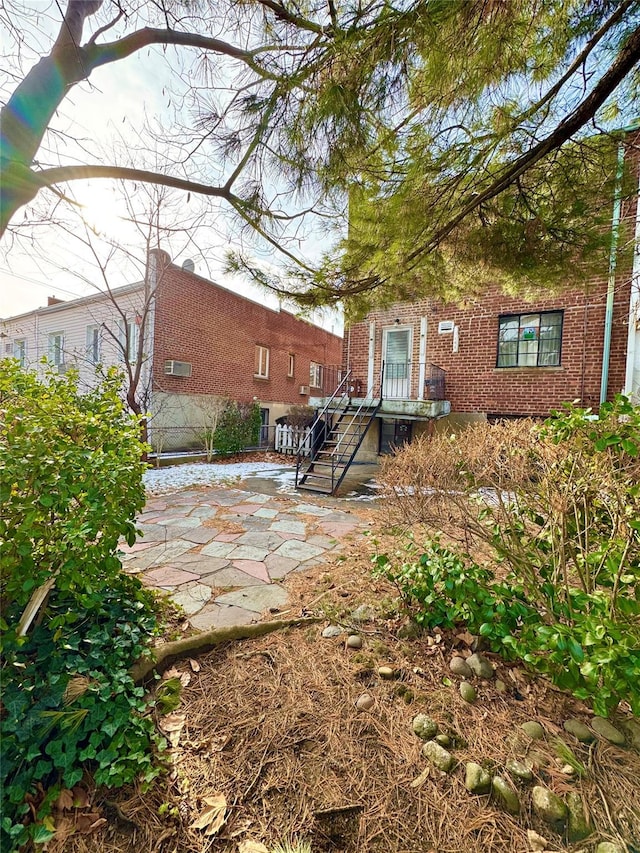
271,725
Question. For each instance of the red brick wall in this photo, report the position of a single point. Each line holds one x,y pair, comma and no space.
217,331
474,383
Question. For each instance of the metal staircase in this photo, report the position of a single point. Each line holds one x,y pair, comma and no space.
337,433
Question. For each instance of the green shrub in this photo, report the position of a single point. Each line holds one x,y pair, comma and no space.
238,427
559,506
70,485
70,482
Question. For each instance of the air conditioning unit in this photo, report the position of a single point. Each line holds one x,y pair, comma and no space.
304,389
177,368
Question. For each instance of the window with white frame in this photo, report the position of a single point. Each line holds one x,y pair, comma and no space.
56,348
93,344
20,351
292,365
133,338
128,337
262,362
315,375
530,340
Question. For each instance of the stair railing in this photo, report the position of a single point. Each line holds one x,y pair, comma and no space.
337,456
341,392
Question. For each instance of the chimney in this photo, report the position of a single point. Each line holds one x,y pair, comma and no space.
53,300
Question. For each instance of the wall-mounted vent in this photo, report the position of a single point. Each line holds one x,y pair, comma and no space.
304,389
8,348
188,265
445,327
177,368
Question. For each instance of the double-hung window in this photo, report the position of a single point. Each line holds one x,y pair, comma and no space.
262,363
56,348
20,351
128,337
93,344
315,375
530,340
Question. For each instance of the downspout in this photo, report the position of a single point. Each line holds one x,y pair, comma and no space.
613,257
634,307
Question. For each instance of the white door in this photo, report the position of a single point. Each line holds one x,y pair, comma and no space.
396,352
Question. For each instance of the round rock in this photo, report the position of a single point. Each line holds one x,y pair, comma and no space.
476,779
363,613
424,726
459,666
548,805
537,843
506,796
519,770
438,756
607,731
331,631
480,666
501,687
354,641
608,847
533,729
443,740
467,691
578,825
578,729
386,672
364,702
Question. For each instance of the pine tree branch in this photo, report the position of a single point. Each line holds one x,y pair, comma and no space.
626,60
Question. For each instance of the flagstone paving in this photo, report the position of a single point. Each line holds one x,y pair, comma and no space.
224,554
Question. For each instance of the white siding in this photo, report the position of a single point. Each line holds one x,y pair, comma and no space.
77,322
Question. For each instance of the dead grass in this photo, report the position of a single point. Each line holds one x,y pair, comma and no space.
272,725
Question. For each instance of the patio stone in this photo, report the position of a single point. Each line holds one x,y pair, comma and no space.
167,576
161,553
228,578
227,537
263,512
258,498
261,539
241,509
289,527
248,552
200,535
256,598
133,549
322,541
218,549
279,567
202,512
336,528
201,564
193,598
184,522
254,568
311,509
300,551
221,616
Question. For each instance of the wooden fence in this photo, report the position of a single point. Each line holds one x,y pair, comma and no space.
289,439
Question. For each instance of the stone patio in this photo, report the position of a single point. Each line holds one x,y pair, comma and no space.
224,554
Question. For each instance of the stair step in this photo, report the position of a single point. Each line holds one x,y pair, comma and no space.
318,489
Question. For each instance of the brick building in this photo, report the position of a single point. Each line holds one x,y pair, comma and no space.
200,341
498,355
